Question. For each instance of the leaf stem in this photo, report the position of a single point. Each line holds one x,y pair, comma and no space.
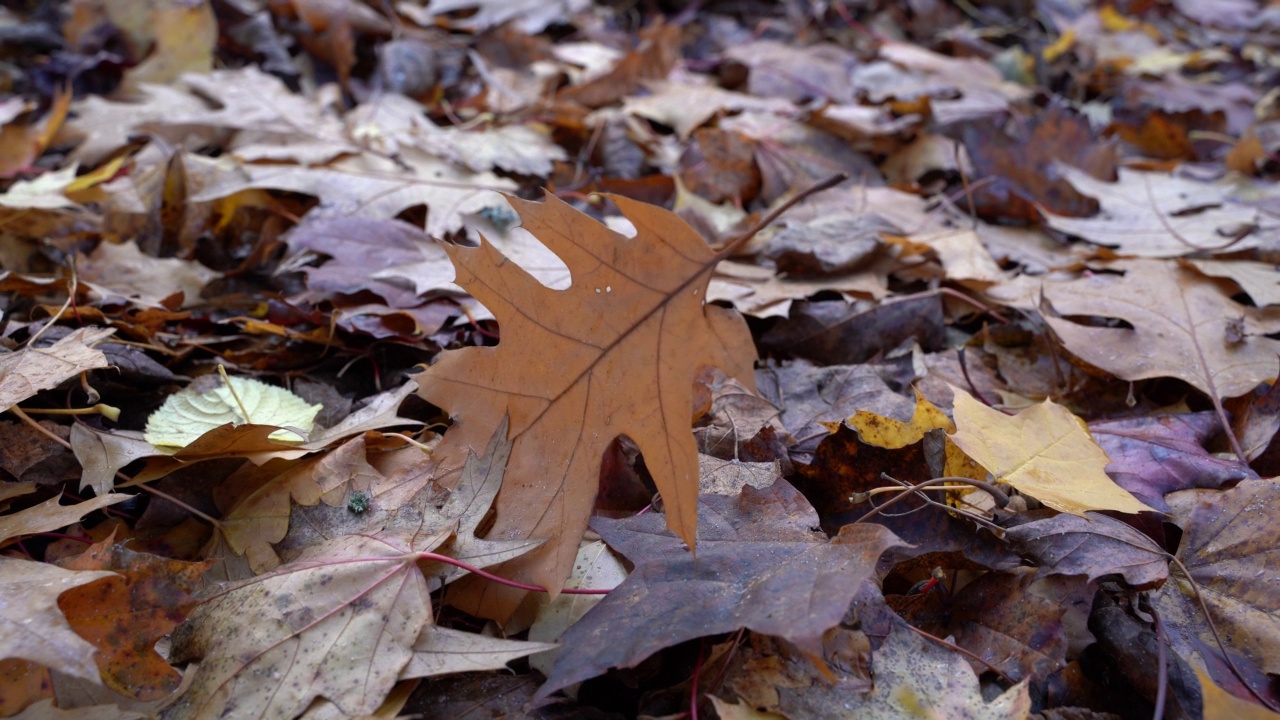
222,370
107,411
737,242
504,581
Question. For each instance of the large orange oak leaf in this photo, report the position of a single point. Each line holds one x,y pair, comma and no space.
615,353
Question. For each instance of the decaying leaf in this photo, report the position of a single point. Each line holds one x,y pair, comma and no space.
440,651
267,647
368,186
614,354
1159,215
1044,451
1091,545
30,370
126,614
1230,544
1180,327
1221,705
594,568
123,271
31,625
1151,457
914,678
51,515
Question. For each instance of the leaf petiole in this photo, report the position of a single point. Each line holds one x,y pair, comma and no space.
222,371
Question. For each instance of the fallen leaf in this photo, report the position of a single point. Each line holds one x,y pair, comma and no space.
614,354
211,402
256,501
1044,451
1021,169
810,395
102,454
266,647
100,127
891,434
741,711
51,515
1180,327
22,144
1159,215
998,619
767,674
916,678
684,108
1154,456
759,566
28,371
783,70
126,614
1258,279
760,291
185,35
656,53
366,185
441,651
46,192
530,16
839,333
1094,546
962,255
123,271
594,568
1229,542
1221,705
45,710
31,625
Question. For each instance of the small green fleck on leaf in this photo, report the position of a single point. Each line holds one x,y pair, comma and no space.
358,503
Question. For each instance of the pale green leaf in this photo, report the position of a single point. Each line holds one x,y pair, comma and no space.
209,403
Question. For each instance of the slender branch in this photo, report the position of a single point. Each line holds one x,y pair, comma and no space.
999,495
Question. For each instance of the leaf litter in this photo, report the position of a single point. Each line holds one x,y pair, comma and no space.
516,423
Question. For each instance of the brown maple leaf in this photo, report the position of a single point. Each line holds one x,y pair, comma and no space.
615,353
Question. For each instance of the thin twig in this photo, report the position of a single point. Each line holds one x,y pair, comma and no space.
1162,666
999,495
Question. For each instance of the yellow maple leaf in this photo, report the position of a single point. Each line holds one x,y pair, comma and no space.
1044,451
894,434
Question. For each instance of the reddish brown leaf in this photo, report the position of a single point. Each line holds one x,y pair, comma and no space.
124,615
